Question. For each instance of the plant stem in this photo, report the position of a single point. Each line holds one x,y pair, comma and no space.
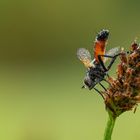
109,127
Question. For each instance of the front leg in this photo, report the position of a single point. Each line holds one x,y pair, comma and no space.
111,63
99,93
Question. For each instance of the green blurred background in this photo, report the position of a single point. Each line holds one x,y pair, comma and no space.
40,77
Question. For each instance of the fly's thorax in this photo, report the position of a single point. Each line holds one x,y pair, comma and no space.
88,83
93,76
96,72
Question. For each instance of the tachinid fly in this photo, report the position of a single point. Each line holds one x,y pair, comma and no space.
96,69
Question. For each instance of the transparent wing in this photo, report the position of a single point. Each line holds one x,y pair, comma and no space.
84,56
112,52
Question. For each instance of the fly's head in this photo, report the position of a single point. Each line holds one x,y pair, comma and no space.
88,82
90,79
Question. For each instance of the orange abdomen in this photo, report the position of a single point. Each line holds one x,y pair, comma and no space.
99,49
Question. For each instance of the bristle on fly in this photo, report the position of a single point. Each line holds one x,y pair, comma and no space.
102,35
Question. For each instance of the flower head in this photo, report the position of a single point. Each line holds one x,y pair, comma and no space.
123,94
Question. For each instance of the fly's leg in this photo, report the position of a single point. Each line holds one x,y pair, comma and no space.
109,66
98,75
111,63
99,92
102,63
107,75
113,60
103,87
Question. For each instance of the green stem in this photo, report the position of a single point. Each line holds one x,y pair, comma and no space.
109,127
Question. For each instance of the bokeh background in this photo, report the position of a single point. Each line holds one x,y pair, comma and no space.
40,76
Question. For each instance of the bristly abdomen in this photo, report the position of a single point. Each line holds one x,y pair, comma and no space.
102,35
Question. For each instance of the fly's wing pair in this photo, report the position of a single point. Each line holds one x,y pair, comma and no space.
112,52
98,49
85,57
